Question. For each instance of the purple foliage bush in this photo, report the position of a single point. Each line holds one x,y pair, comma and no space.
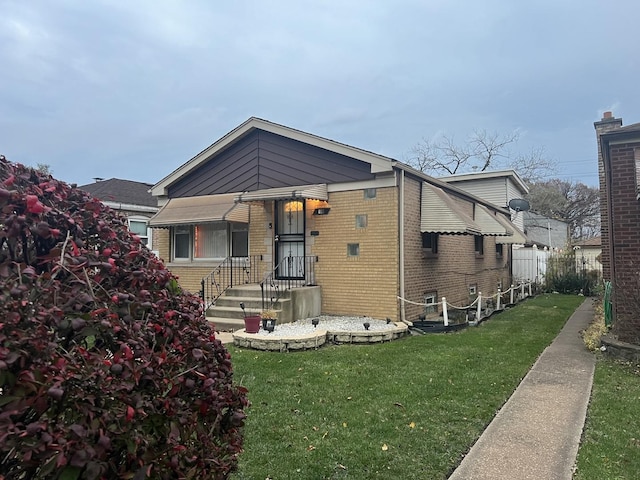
107,369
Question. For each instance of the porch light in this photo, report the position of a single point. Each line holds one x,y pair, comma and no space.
320,207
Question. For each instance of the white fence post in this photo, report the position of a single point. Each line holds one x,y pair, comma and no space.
522,290
479,307
498,300
445,314
511,290
529,288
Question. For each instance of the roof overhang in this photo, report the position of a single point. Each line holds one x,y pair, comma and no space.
202,209
441,214
317,192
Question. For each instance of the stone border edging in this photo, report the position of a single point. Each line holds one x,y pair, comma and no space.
315,339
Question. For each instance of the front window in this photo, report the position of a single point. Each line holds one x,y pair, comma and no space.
182,243
140,227
210,241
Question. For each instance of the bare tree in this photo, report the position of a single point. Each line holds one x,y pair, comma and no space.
483,151
574,202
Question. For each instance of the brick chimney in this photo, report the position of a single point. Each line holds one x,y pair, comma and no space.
606,124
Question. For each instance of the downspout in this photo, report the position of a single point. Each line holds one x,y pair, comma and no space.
401,244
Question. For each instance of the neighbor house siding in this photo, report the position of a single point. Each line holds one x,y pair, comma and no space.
367,284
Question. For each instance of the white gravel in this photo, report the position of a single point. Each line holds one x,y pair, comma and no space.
331,323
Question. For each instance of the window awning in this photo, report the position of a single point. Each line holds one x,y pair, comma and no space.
441,214
202,209
490,224
317,192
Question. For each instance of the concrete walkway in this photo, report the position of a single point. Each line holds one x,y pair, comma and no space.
537,432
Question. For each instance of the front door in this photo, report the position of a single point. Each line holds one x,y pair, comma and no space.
289,239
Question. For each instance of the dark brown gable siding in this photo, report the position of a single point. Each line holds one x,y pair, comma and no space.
265,160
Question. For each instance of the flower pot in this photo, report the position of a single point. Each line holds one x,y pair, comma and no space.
252,324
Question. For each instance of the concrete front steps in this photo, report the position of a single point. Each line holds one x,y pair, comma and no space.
227,316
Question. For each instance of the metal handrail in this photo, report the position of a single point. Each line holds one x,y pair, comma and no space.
291,272
232,271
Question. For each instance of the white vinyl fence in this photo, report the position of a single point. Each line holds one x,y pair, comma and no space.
530,264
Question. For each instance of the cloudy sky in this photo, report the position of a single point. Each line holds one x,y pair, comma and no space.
134,88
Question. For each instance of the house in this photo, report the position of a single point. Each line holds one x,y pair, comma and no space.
619,173
132,199
547,232
368,234
588,254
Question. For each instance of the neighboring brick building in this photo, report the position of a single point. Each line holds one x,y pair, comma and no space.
619,169
365,228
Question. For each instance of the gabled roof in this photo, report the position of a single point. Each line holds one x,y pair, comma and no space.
118,191
464,177
379,163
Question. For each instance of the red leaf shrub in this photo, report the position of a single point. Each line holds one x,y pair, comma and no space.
107,370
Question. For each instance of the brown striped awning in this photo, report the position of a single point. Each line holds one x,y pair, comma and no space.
201,209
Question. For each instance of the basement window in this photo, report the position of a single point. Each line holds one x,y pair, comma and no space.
431,303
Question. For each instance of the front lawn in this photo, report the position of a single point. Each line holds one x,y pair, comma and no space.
407,409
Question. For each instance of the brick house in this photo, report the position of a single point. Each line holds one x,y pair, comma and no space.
132,199
619,173
366,229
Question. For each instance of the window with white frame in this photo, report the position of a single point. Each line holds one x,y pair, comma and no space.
361,221
431,303
209,241
140,227
370,193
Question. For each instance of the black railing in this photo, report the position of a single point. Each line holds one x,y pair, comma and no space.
230,272
290,273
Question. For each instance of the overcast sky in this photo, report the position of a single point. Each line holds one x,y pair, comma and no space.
134,88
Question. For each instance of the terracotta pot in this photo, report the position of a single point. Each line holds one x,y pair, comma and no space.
252,324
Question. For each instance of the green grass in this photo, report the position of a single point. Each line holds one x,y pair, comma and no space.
610,447
406,409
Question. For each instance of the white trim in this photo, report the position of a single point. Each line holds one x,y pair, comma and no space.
130,207
377,162
483,175
361,185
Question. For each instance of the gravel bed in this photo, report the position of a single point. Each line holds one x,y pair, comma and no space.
331,323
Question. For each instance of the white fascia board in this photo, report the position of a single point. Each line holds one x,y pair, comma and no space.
383,182
131,207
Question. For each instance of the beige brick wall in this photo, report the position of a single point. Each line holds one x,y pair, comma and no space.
367,284
453,269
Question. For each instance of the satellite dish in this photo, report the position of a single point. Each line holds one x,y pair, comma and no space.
519,204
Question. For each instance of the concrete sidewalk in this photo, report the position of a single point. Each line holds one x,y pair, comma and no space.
537,432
